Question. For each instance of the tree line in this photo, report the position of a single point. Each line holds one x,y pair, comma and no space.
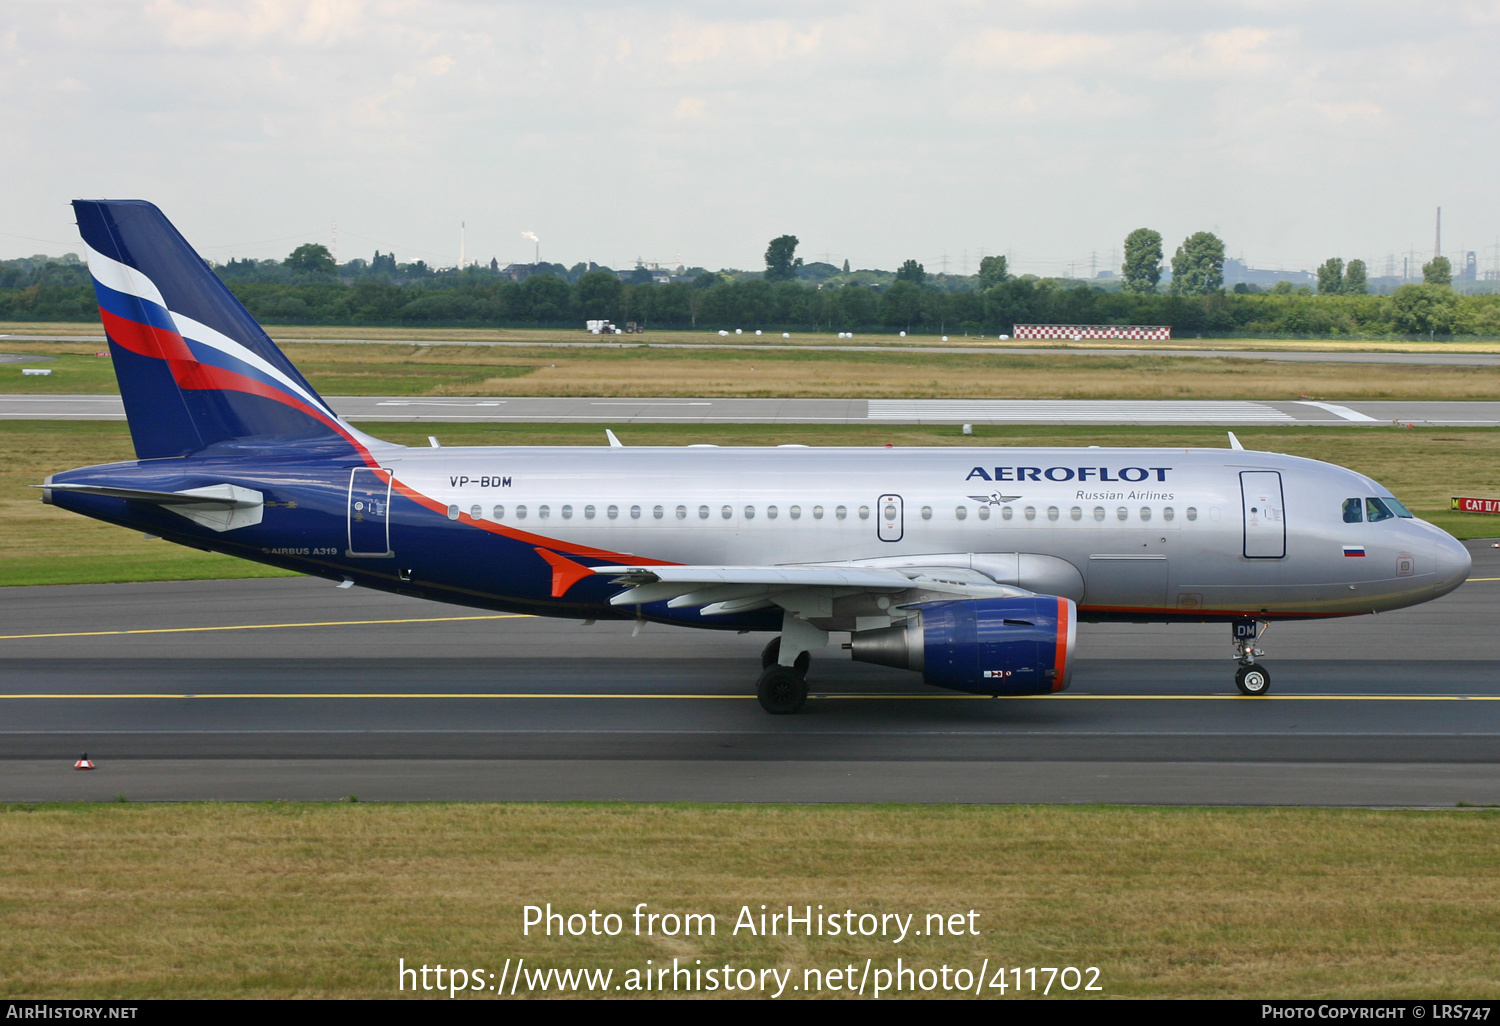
307,288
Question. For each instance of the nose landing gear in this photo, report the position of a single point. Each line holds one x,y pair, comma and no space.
1251,677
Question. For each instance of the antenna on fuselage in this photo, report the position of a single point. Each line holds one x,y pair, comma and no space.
1234,443
614,443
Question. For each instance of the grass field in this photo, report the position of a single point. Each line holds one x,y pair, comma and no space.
435,369
176,901
46,545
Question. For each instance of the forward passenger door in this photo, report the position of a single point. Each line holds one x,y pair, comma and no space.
1264,514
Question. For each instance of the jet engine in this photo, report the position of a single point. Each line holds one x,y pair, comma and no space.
998,646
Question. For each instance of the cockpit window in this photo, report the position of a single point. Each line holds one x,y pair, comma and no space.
1376,510
1353,511
1396,507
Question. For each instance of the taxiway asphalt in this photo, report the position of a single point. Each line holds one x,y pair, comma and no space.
291,688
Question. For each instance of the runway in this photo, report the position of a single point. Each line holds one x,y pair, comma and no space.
607,411
291,688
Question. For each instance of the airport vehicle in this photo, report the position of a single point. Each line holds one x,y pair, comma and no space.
969,565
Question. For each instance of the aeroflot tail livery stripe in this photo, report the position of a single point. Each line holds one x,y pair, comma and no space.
538,541
144,275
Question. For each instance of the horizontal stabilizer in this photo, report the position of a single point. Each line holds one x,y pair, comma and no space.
223,496
220,507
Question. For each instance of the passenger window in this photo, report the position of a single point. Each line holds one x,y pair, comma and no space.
476,511
681,512
770,512
1376,511
961,512
1030,512
749,512
635,512
926,512
796,512
1099,513
1076,513
727,512
1052,512
702,512
817,512
864,512
588,512
1145,512
1168,513
1352,511
567,512
612,512
1006,513
1122,513
544,511
841,512
657,512
520,512
499,512
984,512
1192,512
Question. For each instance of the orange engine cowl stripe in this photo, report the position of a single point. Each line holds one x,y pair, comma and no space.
1060,662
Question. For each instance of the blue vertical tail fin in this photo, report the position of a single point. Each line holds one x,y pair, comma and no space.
194,367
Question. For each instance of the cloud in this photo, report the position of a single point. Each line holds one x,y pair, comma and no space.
1041,128
240,22
1034,51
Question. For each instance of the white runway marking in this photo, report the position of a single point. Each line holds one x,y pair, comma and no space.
1078,411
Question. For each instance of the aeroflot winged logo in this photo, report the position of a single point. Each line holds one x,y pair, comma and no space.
995,498
1131,475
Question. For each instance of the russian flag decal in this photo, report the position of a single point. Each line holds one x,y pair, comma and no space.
1354,550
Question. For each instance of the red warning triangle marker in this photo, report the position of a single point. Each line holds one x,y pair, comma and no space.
84,762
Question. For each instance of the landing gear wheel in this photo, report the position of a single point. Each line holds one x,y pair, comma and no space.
1253,679
781,689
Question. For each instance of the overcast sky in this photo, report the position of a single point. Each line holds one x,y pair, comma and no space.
874,131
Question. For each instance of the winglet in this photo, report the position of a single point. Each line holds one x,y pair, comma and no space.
614,443
1234,443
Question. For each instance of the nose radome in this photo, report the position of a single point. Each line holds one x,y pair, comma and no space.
1453,564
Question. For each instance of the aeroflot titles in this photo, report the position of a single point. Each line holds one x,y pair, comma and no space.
1128,474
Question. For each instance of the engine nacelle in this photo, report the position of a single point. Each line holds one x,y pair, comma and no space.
1002,646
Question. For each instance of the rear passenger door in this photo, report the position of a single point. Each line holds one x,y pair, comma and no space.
889,519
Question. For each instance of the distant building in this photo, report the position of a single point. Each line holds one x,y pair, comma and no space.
1238,272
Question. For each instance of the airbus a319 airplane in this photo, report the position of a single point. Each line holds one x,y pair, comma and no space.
971,566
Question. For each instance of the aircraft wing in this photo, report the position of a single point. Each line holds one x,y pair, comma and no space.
806,589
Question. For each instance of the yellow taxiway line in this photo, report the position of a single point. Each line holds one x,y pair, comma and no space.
266,626
919,698
342,623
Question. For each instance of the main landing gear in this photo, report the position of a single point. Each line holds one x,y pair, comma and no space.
1251,677
781,689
